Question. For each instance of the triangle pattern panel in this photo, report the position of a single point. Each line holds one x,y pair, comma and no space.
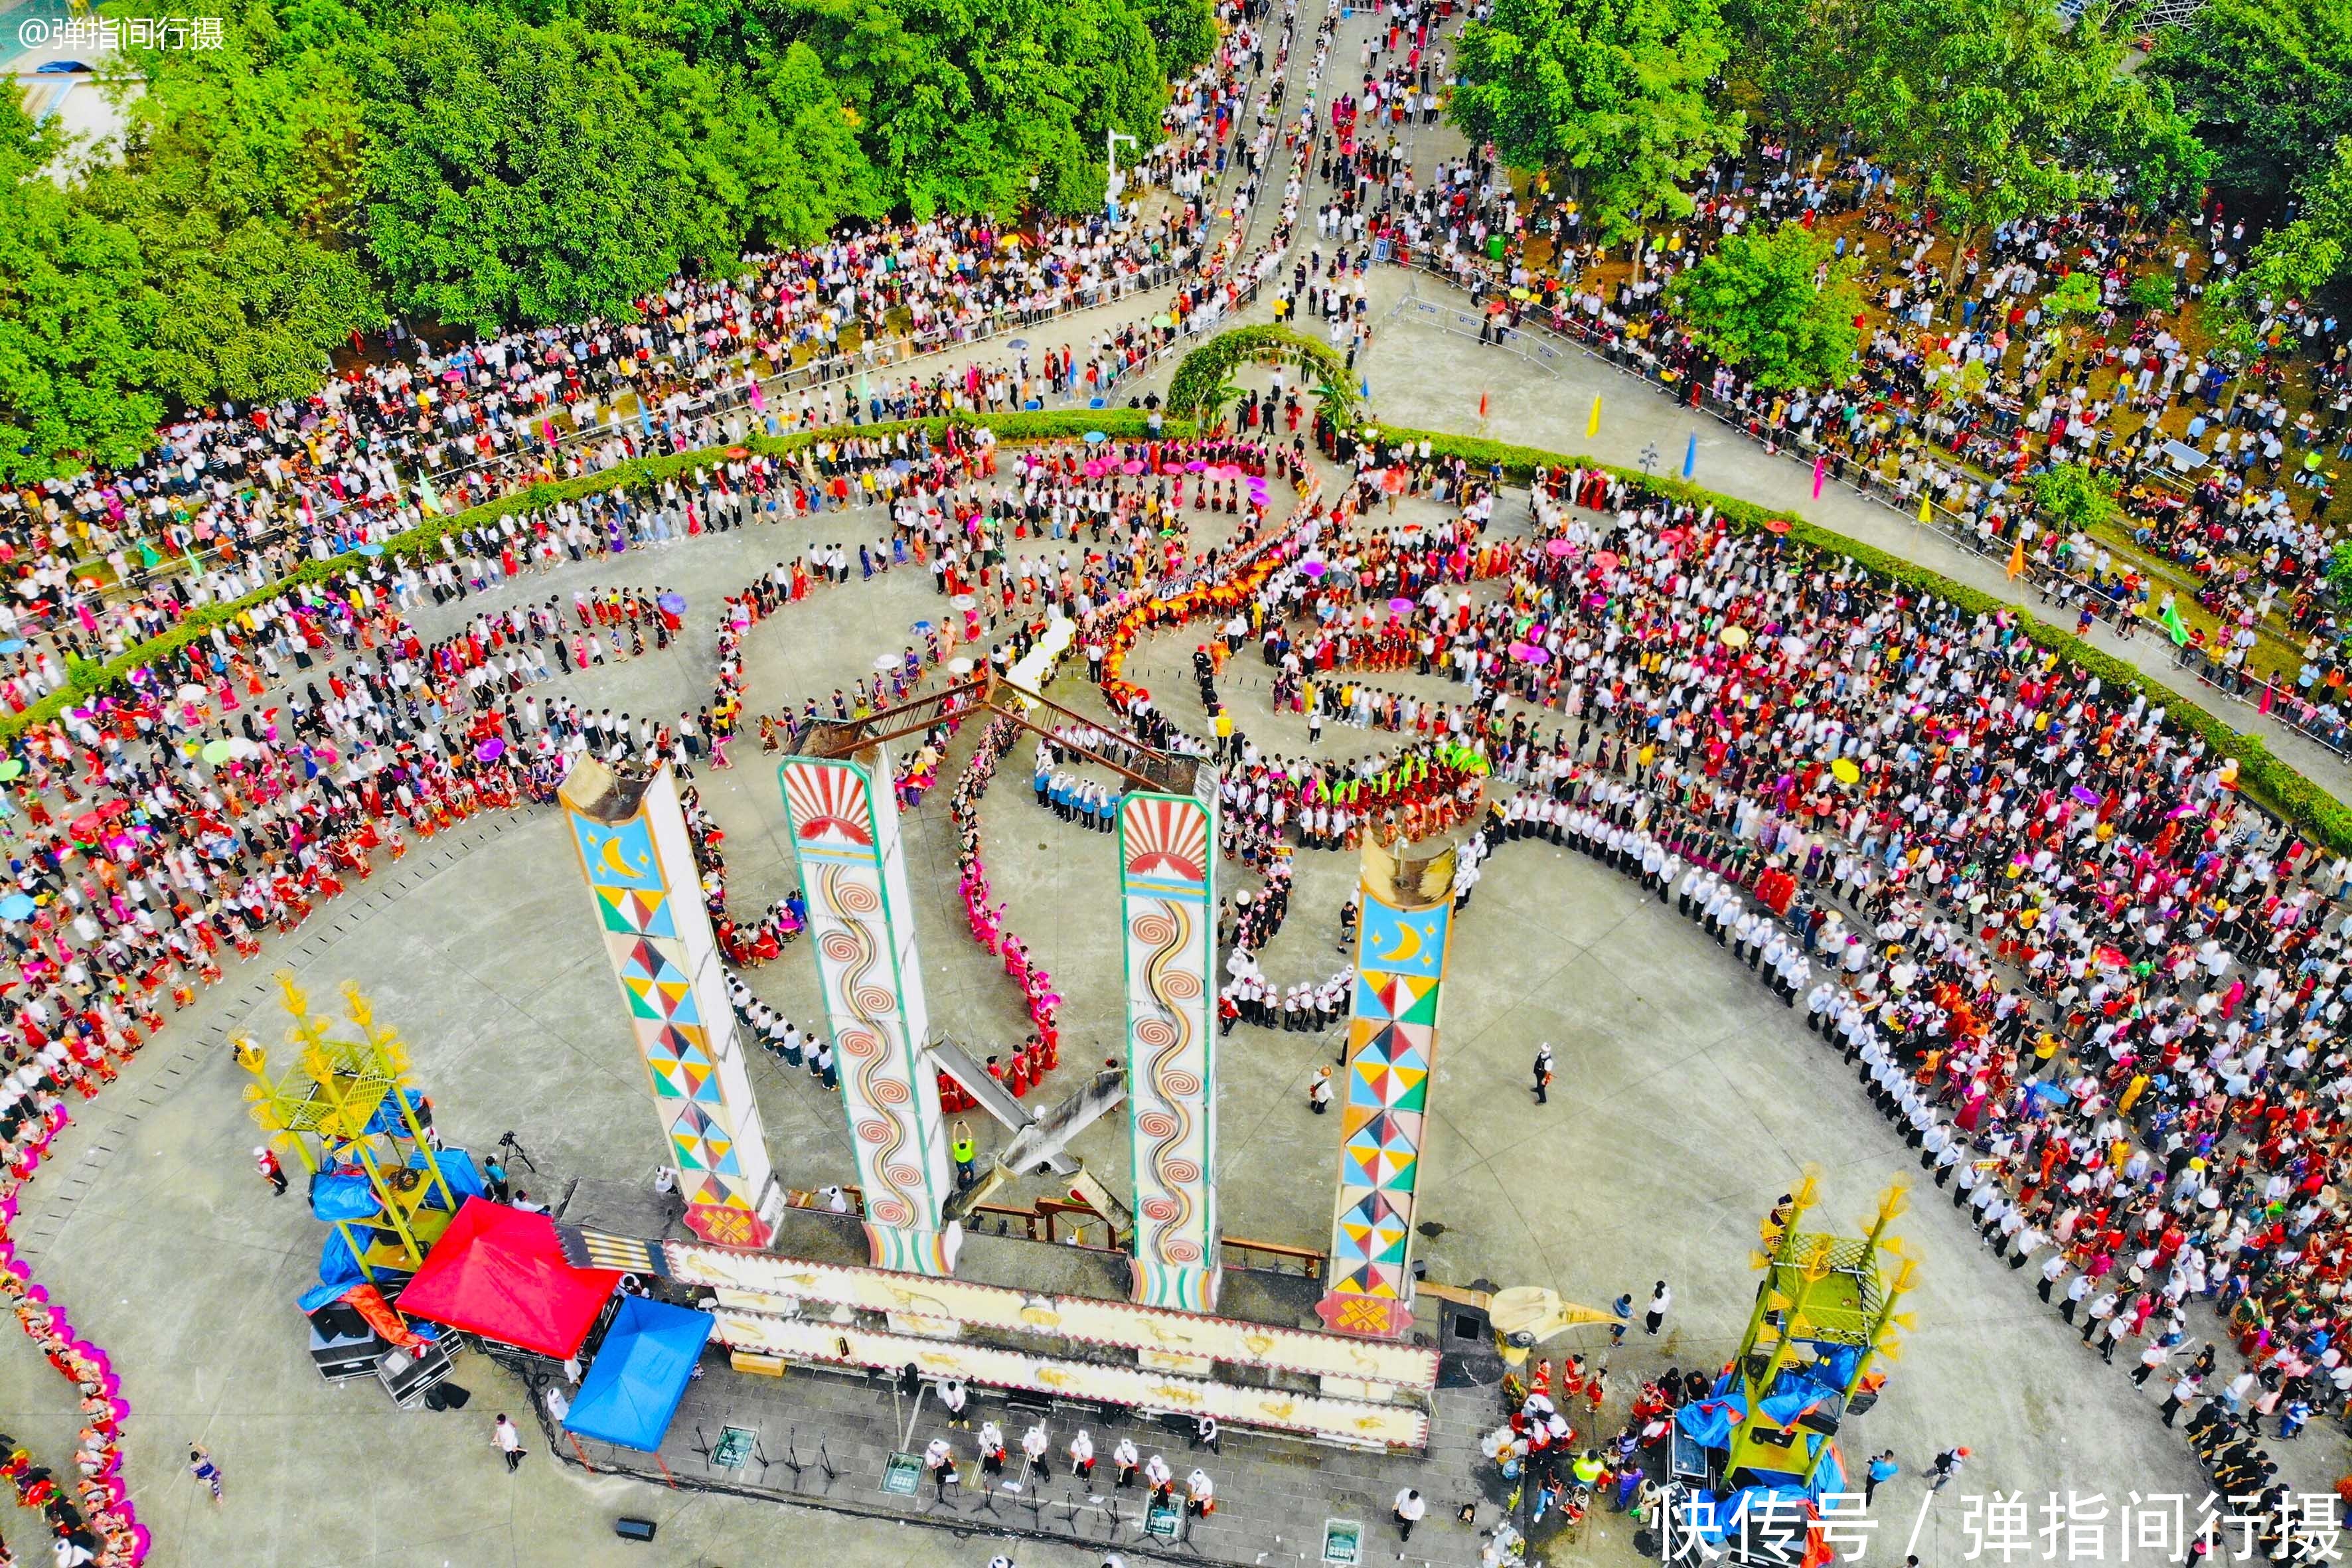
636,912
690,1135
672,1043
656,982
1388,1085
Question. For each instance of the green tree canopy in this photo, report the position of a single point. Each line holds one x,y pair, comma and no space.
517,173
236,175
2297,260
2074,497
2268,82
1614,91
963,101
76,316
1754,304
1999,109
1790,61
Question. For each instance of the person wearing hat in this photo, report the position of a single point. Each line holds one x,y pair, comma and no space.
271,1171
1947,1465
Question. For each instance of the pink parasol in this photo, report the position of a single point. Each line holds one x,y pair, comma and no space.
1559,547
1133,466
1402,606
1606,560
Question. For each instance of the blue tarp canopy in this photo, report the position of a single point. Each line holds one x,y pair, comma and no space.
640,1373
343,1192
387,1122
458,1169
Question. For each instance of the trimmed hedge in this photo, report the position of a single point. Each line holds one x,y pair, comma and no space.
2321,816
1205,368
89,678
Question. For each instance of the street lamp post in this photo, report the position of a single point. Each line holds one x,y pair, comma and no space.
1114,181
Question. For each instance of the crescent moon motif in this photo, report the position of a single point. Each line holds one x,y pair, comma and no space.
1408,945
615,864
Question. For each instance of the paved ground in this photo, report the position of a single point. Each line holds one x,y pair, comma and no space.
1687,1102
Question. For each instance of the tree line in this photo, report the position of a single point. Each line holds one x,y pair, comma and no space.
338,162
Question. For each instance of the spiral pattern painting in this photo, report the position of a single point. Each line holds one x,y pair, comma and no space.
1165,876
843,832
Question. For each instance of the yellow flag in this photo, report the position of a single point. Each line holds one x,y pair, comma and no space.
1925,503
1592,426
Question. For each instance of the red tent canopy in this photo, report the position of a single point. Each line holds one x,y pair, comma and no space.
499,1273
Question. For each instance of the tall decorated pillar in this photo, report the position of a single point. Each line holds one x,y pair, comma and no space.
1400,949
1168,902
631,837
844,821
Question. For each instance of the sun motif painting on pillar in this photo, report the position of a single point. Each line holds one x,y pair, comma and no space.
1167,897
853,873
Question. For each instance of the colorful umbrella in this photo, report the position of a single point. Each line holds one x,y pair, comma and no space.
1402,606
218,751
1096,438
489,750
1843,770
1559,547
1133,466
2084,794
16,907
13,768
1313,568
1776,525
1606,560
1734,637
370,550
674,603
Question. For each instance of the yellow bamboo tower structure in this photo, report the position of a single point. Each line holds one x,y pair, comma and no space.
1825,1313
345,1105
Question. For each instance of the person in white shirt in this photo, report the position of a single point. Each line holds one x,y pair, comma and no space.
1408,1510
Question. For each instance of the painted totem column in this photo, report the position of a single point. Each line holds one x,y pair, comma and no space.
631,837
844,821
1168,900
1400,949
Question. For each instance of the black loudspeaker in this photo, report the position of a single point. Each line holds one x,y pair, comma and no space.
634,1529
340,1357
446,1396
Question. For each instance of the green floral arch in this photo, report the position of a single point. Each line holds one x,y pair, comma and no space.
1208,367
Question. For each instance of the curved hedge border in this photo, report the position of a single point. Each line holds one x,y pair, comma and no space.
2321,816
1206,367
88,678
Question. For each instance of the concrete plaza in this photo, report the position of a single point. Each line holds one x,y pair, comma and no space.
1688,1099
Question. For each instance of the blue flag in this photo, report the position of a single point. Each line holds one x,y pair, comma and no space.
1690,455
